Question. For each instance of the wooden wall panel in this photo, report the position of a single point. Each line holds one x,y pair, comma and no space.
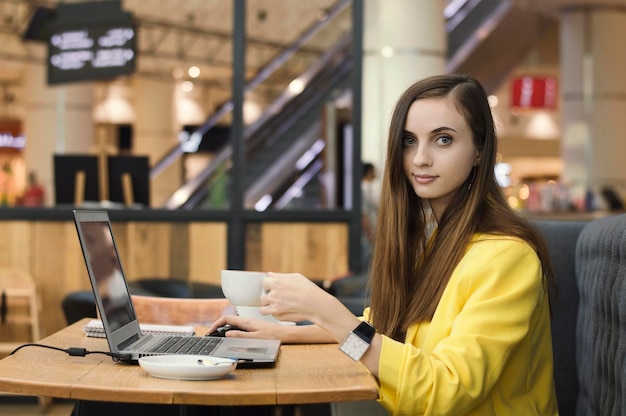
180,249
15,239
207,251
317,250
148,250
195,251
254,259
56,269
76,272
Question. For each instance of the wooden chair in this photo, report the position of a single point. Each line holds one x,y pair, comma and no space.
180,311
19,305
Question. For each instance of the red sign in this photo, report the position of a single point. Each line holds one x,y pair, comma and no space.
534,93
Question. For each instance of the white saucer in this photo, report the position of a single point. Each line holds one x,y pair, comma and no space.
187,367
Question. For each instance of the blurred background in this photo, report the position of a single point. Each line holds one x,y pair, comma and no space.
167,102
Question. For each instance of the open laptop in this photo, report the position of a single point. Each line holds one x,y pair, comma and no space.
126,341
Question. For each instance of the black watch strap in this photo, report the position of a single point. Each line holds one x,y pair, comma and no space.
365,331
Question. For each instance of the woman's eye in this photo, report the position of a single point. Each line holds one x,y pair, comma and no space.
444,140
408,141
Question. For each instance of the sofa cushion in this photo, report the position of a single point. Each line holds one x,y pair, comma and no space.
601,328
561,238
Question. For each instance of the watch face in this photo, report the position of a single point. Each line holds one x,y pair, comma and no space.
354,346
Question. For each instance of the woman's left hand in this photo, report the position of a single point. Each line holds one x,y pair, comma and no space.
293,297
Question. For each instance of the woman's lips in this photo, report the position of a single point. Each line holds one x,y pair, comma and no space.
424,179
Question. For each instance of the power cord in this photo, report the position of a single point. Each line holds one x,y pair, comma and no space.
75,351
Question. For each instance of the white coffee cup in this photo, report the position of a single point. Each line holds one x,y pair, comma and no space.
255,312
243,288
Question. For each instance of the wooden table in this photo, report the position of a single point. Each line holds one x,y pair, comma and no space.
303,374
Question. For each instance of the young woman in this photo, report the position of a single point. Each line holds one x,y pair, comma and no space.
460,282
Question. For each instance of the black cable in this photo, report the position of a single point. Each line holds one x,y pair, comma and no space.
74,351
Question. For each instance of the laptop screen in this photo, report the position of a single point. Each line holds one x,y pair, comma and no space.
107,278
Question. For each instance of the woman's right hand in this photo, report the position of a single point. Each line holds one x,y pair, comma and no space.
249,327
258,328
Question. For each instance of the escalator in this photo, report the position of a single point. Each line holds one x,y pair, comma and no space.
290,127
285,149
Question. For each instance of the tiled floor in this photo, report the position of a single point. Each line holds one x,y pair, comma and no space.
29,406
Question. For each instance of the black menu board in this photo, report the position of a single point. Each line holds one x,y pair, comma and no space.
91,41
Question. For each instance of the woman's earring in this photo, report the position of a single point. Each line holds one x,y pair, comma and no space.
469,186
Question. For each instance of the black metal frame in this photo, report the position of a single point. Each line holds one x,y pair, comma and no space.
237,217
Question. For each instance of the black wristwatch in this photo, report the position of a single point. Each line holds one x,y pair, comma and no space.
358,341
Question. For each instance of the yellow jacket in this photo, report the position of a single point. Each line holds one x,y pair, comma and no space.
487,350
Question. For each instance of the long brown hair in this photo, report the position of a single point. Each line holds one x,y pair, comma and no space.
407,279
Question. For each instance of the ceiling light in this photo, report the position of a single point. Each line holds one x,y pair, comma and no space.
386,51
542,126
186,86
296,86
193,71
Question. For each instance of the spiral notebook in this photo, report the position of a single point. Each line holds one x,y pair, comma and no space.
95,328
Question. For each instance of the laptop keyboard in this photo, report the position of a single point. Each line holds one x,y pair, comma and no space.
186,345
